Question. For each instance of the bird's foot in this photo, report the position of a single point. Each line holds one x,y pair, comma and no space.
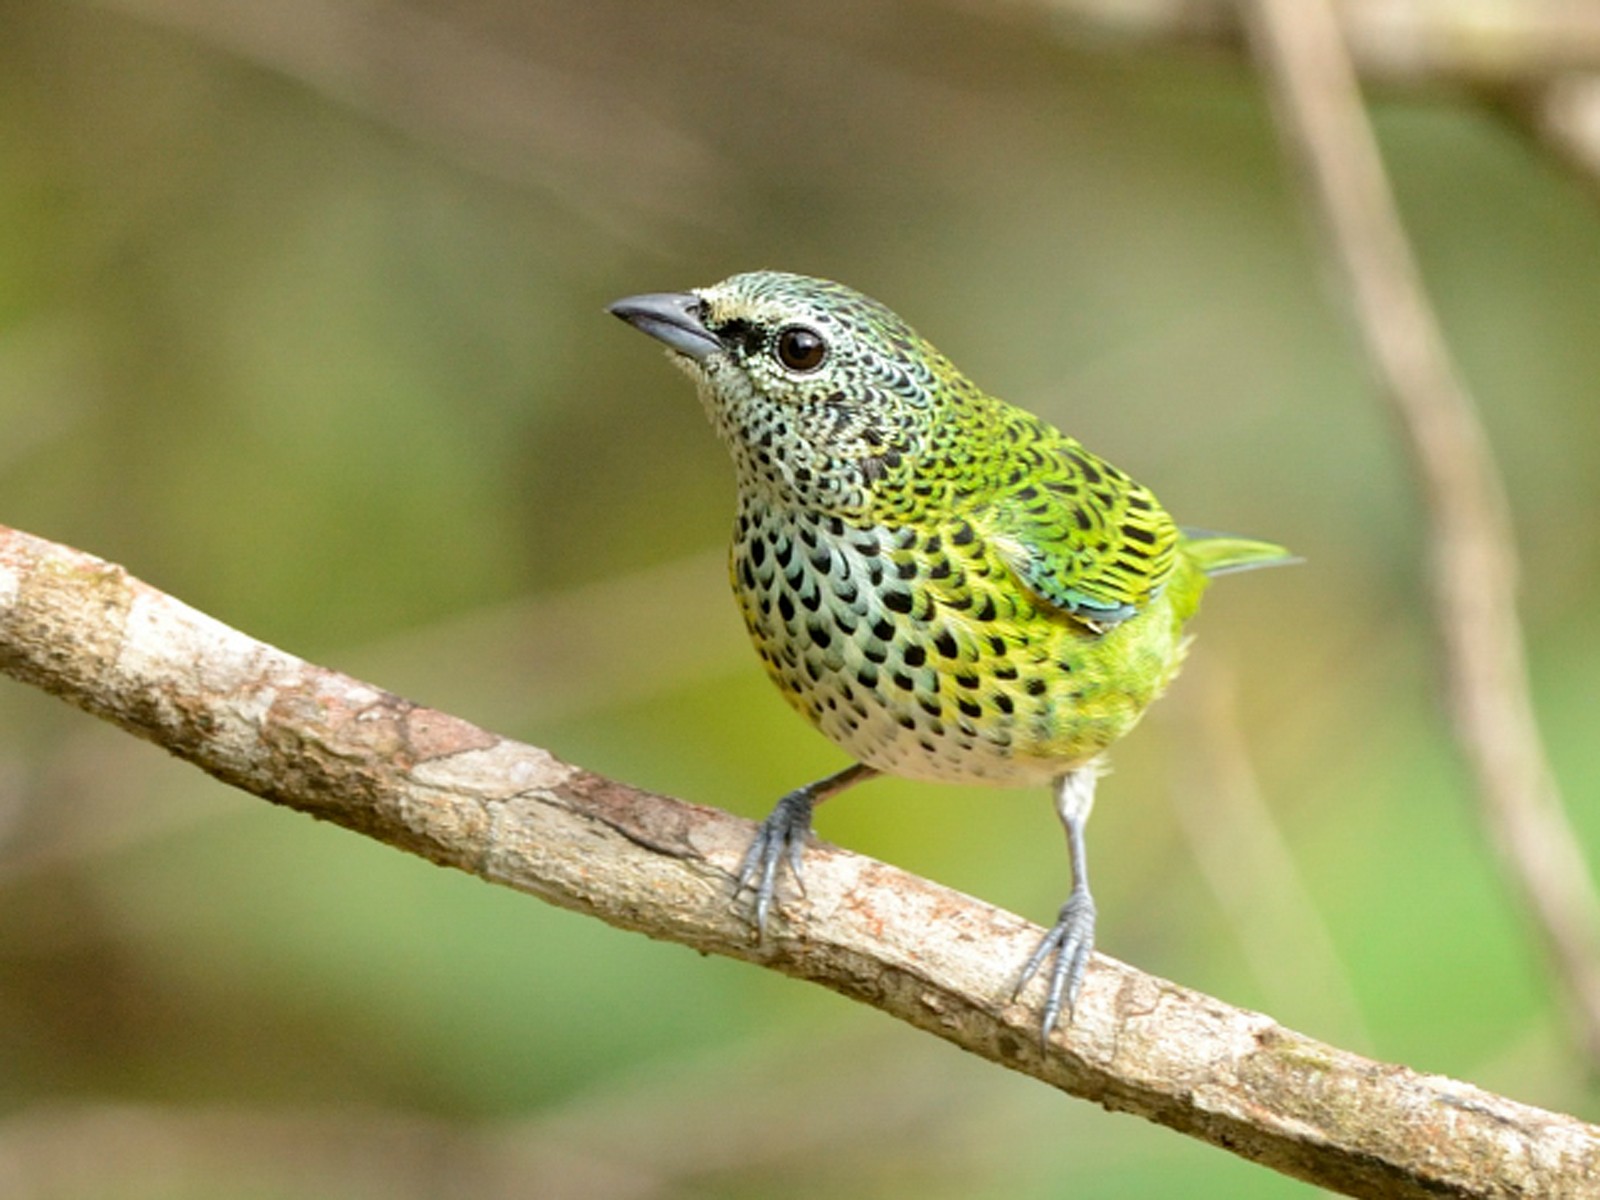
781,837
1070,943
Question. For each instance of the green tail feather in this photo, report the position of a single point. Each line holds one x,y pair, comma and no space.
1223,553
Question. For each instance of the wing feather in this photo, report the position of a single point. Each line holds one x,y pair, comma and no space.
1081,535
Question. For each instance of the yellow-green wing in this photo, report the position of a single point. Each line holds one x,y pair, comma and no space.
1081,535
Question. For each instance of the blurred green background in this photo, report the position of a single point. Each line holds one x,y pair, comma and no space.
301,320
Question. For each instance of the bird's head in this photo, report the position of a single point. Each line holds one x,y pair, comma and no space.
823,395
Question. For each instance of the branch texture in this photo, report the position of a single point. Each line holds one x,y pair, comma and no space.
436,786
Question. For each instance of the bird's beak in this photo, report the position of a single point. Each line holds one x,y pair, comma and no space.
670,317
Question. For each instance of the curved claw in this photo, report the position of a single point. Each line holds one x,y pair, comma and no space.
782,836
1070,942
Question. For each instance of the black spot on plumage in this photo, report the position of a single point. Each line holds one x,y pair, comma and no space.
883,629
868,547
835,527
971,707
875,652
1003,703
785,606
868,675
811,598
1004,670
904,682
905,720
970,682
746,575
963,535
1036,686
986,610
940,569
946,644
740,335
896,601
929,705
914,656
820,636
875,573
1139,534
906,569
758,552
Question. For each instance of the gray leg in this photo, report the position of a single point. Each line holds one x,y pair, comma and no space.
783,836
1072,939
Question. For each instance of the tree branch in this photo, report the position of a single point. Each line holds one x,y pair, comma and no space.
1414,41
1472,547
1537,61
434,785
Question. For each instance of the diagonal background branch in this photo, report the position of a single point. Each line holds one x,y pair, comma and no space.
1474,560
434,785
1537,61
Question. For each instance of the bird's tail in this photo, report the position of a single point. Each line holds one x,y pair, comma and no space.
1223,553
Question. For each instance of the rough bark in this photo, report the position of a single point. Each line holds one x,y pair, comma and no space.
441,788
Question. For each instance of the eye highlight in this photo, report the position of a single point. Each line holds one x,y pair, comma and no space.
799,348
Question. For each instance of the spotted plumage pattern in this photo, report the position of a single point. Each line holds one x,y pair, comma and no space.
943,584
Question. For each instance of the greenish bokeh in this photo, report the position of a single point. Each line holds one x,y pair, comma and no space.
301,320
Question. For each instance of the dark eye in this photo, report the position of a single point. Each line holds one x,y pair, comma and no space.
801,349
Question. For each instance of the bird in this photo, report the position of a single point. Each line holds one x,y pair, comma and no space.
946,586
